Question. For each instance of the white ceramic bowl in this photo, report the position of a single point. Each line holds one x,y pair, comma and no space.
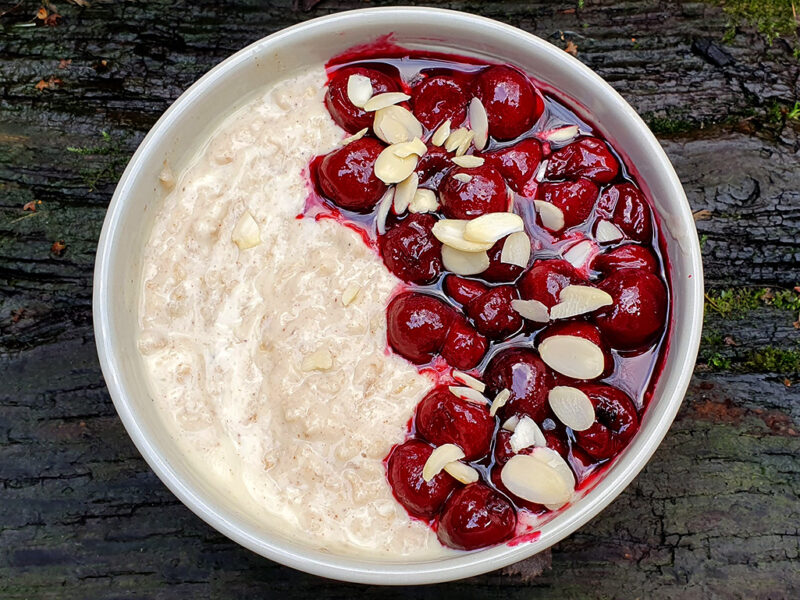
191,119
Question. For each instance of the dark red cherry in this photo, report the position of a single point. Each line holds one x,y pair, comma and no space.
417,325
524,374
345,113
639,311
463,290
463,347
498,271
438,98
587,157
411,251
433,166
557,440
584,330
444,419
631,212
511,102
347,175
575,199
493,315
617,421
545,280
420,498
476,516
518,164
629,256
485,192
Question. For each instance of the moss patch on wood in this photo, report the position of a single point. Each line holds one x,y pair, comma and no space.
737,302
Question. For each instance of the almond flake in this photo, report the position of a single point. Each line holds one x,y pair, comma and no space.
607,232
451,233
479,123
441,456
526,434
462,177
356,136
539,176
390,168
359,90
457,138
533,310
404,193
461,472
246,234
573,356
511,423
499,401
578,300
551,216
440,136
572,407
578,254
395,124
423,201
383,210
468,161
349,294
464,145
562,134
464,263
380,101
404,149
469,394
469,380
492,227
516,250
537,478
167,177
319,360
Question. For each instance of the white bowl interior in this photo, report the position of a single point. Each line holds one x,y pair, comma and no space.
191,120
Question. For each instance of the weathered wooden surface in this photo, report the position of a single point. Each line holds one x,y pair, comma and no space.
715,513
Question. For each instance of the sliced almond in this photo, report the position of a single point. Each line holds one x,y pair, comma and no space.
579,300
469,380
359,90
535,480
319,360
572,407
423,201
356,136
390,168
462,177
468,161
441,134
516,250
441,456
511,423
464,263
533,310
573,356
479,123
465,143
404,193
404,149
552,217
607,232
578,254
380,101
457,138
350,293
492,227
526,434
395,124
451,233
383,210
562,134
245,234
539,176
461,472
499,401
469,394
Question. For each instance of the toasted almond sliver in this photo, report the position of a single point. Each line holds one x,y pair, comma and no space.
572,407
511,423
535,480
404,149
469,394
359,90
319,360
469,380
462,177
464,263
383,210
441,134
380,101
404,193
551,216
350,293
441,456
479,123
533,310
492,227
424,201
606,232
526,434
499,401
457,138
561,134
540,172
578,300
578,254
245,234
461,472
356,136
395,124
573,356
391,168
468,161
451,233
516,250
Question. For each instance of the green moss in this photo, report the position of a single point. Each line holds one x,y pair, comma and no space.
106,161
772,18
737,302
785,361
668,126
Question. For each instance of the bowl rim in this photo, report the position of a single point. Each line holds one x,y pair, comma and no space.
342,567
